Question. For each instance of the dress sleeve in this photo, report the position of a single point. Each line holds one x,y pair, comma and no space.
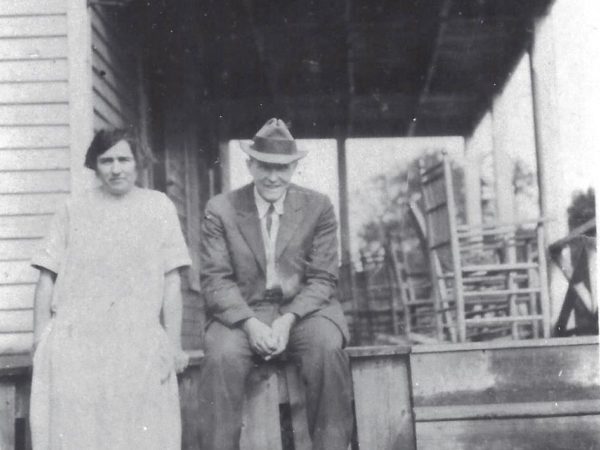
175,251
51,251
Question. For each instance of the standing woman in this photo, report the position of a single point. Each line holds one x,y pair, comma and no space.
104,366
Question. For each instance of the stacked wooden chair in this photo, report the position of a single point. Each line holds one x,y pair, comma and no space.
490,281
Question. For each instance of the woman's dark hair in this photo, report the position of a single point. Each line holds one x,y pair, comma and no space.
105,139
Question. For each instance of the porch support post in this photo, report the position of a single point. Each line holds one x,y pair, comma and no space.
81,107
476,146
547,141
503,170
346,256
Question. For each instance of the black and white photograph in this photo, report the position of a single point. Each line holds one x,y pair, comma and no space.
299,225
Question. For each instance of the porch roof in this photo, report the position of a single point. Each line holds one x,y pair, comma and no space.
351,67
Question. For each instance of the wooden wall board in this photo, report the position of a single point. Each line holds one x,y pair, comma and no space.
35,181
34,158
34,114
33,26
16,321
43,47
548,433
504,375
16,296
32,7
15,344
34,136
383,402
34,92
261,426
31,203
53,69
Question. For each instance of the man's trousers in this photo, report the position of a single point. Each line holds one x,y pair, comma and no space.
315,345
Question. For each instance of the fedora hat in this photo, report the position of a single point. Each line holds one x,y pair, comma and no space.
273,144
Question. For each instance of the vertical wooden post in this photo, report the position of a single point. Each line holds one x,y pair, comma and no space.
224,164
473,147
503,170
459,297
547,142
346,256
81,108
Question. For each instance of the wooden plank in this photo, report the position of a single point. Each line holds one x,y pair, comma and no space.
7,414
497,345
17,272
15,344
47,47
114,92
17,296
261,428
34,114
34,158
549,433
24,227
16,321
27,137
383,403
297,402
24,26
35,92
109,59
506,410
11,249
40,203
35,181
34,70
32,7
506,375
111,113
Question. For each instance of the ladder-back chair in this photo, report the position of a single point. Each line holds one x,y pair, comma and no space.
490,281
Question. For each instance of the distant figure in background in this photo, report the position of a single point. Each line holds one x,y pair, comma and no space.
269,269
104,367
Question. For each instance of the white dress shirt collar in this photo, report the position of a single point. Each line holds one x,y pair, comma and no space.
263,206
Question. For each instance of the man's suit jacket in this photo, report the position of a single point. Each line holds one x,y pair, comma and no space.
232,257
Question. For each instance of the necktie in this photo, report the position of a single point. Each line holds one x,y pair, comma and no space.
270,212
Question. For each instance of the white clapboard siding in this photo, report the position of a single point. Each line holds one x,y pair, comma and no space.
16,343
17,272
34,114
17,297
17,249
35,181
115,76
30,203
32,7
32,137
16,321
33,26
34,150
35,92
25,48
24,226
34,70
34,159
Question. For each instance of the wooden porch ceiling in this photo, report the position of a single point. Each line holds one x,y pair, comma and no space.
353,67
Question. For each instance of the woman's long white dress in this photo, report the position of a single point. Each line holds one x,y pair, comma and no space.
103,374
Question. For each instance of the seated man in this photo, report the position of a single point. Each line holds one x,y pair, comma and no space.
269,272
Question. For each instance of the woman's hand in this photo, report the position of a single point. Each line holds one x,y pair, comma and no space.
182,360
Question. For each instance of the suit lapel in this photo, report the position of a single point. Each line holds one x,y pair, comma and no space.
292,215
249,224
